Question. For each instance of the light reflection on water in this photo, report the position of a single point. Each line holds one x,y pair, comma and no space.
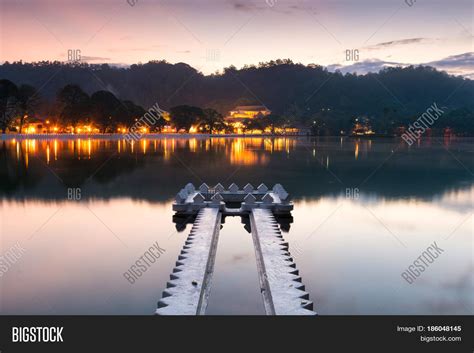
246,151
350,252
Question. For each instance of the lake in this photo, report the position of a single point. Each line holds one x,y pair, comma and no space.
83,211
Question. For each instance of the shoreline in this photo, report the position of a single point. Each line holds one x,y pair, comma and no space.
115,136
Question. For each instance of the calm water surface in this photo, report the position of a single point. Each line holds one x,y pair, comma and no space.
364,211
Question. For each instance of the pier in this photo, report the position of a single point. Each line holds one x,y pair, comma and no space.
281,287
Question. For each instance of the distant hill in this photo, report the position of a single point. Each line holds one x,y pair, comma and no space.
305,92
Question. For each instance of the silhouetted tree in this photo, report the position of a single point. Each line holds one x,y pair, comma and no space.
253,124
127,112
8,101
184,116
302,92
74,104
273,121
105,108
211,120
27,103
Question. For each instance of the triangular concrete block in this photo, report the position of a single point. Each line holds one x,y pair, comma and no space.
267,198
179,197
248,188
204,188
217,198
219,188
276,187
262,188
280,191
189,188
198,198
233,187
250,199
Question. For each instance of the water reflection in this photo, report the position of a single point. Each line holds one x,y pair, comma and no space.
344,247
349,261
309,167
350,256
245,151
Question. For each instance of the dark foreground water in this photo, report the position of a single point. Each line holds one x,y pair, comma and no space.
364,211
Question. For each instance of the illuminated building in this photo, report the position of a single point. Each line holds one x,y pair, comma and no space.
243,112
362,127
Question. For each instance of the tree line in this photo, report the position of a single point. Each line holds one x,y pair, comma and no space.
307,95
75,108
72,107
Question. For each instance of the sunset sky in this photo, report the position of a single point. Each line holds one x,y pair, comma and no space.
212,34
